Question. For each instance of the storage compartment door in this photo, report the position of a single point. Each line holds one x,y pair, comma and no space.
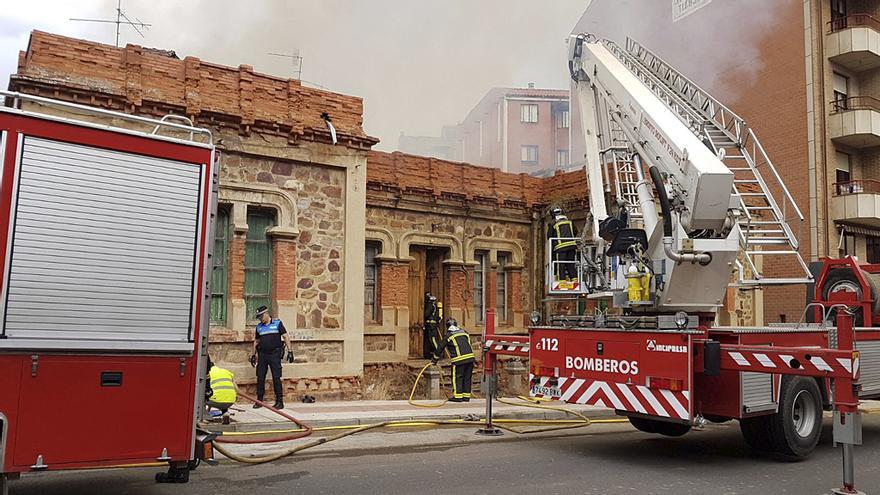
103,250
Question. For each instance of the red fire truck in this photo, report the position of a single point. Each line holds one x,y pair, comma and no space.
105,248
685,201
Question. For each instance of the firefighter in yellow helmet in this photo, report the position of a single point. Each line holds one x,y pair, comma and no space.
458,344
562,234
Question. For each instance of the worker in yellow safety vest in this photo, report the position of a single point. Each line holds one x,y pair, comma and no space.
562,236
221,391
458,345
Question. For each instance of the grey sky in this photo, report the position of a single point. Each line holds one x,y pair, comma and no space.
418,64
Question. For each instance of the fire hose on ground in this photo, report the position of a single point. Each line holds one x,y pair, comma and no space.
305,430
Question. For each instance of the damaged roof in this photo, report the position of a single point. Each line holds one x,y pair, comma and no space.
154,81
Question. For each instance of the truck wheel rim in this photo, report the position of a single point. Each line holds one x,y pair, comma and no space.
803,413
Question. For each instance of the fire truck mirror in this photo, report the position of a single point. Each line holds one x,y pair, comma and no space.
712,358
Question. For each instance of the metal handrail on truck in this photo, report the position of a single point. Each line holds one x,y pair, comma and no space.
14,100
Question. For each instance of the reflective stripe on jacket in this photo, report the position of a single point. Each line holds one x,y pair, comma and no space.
564,229
222,386
458,344
268,328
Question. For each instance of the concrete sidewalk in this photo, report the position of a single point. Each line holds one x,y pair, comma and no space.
244,418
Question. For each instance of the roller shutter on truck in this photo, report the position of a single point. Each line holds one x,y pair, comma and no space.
103,249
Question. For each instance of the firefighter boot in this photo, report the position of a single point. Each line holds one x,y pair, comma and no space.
278,404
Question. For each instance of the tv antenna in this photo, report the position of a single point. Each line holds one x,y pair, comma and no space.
295,59
121,18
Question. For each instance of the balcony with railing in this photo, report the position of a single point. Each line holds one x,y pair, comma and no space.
857,202
853,42
855,121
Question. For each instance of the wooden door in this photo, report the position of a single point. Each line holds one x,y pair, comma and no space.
416,296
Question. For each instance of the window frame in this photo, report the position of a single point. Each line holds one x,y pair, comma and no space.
849,245
371,251
872,249
563,119
502,288
839,100
525,154
222,231
250,241
564,162
528,113
482,259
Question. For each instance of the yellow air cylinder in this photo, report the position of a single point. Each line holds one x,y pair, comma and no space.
645,283
634,284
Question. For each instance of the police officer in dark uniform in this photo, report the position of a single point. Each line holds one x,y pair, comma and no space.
433,313
565,249
268,351
458,344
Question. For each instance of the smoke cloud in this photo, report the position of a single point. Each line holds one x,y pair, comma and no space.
707,45
417,64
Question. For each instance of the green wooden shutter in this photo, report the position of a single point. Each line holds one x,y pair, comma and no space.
501,290
257,262
220,273
479,286
371,303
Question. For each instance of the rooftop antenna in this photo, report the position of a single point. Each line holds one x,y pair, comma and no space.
295,59
121,19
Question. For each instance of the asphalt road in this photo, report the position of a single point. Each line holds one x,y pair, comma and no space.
605,459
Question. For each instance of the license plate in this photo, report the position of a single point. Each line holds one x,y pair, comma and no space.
546,391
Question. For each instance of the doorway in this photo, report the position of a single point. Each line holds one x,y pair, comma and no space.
425,275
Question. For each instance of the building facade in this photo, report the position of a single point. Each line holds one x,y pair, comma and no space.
291,214
844,113
447,228
518,130
445,147
340,241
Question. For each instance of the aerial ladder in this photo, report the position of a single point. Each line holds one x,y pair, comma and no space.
684,202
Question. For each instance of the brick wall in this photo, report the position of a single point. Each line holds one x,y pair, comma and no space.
871,7
410,173
393,284
276,157
460,288
777,93
870,163
284,270
135,77
567,189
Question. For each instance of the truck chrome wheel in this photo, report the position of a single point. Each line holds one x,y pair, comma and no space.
803,413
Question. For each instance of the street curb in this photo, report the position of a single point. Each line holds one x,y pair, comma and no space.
365,420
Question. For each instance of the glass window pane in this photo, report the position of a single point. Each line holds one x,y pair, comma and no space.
843,162
258,261
841,84
501,289
371,297
479,283
220,273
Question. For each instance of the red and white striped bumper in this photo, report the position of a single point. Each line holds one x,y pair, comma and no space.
508,347
620,396
792,361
